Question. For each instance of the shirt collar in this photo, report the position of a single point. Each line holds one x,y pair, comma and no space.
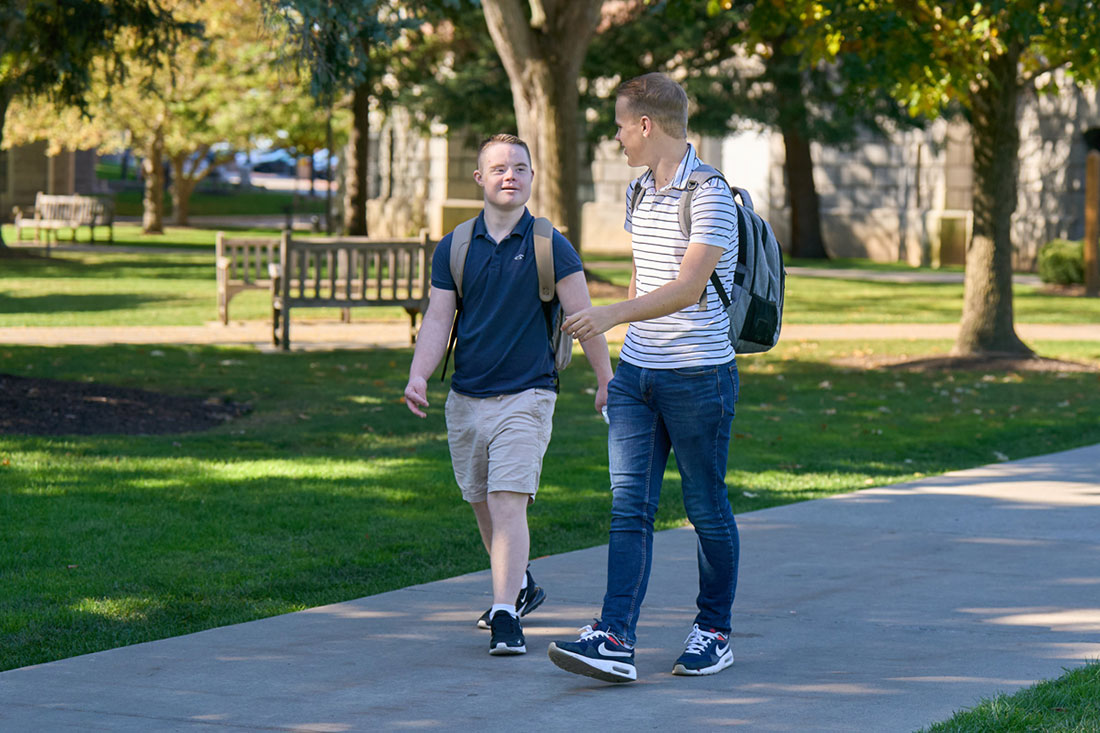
688,163
520,229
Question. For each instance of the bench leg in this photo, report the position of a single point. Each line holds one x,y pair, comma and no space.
412,326
345,315
285,339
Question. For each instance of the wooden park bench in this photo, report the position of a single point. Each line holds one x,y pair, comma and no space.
242,263
349,272
53,212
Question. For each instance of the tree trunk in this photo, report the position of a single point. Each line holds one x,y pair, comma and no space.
183,185
543,55
806,238
355,182
6,95
805,217
152,217
987,322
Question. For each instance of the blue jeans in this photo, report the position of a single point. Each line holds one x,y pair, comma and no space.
652,411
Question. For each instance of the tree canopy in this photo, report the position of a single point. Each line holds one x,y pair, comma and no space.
983,57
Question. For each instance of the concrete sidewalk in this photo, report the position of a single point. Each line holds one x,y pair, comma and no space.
883,610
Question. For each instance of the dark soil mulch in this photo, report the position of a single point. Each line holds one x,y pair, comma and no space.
30,406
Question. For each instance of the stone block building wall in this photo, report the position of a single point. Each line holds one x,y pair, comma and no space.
1051,196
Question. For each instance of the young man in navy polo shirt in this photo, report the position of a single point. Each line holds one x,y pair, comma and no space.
501,404
674,389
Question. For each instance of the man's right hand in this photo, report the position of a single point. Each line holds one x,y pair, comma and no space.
416,395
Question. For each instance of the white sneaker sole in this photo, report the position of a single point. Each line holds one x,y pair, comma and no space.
502,650
600,669
726,660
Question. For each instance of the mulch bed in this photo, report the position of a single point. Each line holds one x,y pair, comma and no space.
30,406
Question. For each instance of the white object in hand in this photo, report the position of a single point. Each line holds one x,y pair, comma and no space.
603,410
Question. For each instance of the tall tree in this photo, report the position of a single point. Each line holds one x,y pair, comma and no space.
222,88
346,46
986,57
542,45
48,49
751,62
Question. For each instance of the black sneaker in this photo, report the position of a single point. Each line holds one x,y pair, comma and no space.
706,651
507,635
528,600
598,653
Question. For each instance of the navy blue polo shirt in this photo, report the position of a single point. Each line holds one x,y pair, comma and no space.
503,346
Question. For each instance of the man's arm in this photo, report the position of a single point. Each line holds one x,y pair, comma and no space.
431,345
695,269
573,294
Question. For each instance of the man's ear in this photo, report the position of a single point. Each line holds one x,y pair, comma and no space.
647,125
477,178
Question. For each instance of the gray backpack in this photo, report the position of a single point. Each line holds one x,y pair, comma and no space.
755,304
561,343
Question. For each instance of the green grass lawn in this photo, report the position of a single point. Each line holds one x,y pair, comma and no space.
229,202
330,490
1069,704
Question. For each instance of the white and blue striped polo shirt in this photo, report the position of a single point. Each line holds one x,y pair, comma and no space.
693,336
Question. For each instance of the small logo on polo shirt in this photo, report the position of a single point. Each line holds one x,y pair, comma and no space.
518,257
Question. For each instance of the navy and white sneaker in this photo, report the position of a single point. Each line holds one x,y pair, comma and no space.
507,635
528,600
598,653
706,651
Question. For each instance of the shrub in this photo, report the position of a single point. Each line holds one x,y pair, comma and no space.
1062,262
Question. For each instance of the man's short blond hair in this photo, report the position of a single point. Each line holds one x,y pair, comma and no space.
660,99
502,137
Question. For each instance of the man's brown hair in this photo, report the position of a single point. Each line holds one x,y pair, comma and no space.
502,137
660,99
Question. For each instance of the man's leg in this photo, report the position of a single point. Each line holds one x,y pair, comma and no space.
700,434
637,453
509,543
638,449
484,524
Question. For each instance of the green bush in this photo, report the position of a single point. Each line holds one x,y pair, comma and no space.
1062,262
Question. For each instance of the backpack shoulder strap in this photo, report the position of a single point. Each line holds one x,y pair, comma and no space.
460,245
746,200
636,194
544,258
697,178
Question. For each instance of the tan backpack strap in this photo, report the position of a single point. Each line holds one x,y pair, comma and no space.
544,258
460,245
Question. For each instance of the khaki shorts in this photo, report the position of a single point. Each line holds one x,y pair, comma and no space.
497,443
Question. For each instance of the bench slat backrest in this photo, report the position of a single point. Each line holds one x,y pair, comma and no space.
67,208
247,258
349,271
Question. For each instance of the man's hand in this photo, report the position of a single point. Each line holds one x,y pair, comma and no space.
601,398
589,322
416,395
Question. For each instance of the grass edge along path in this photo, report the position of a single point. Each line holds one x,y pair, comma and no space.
1067,704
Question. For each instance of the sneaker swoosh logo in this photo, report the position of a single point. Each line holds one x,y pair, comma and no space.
602,649
723,650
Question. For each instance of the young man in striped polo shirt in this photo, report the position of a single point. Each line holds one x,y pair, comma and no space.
674,389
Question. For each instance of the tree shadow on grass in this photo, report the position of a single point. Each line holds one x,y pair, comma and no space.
65,303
